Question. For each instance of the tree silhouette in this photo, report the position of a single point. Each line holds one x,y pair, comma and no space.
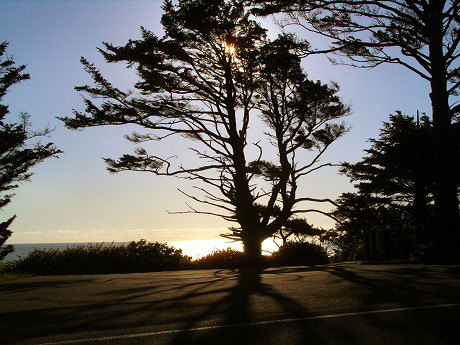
212,79
399,166
298,228
370,228
364,33
20,148
395,187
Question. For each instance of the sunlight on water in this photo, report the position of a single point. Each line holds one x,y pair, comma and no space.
200,248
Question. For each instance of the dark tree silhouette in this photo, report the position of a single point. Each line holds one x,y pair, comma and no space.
399,167
298,228
365,32
370,228
207,80
395,186
20,148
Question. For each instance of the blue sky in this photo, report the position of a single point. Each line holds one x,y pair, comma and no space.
74,198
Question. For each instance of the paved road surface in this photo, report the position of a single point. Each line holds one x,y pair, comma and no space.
333,304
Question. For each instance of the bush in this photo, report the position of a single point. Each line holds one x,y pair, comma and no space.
143,256
299,254
139,256
7,267
225,258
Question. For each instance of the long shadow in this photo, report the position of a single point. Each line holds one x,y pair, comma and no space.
237,324
107,315
227,307
223,300
387,288
29,286
407,285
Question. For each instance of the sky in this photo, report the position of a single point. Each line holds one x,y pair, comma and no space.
74,198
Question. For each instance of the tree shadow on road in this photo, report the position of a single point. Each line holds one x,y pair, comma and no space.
249,306
383,288
51,283
238,324
406,285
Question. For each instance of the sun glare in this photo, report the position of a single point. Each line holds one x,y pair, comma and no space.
229,48
200,248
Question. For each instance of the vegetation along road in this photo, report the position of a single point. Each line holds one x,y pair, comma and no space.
348,303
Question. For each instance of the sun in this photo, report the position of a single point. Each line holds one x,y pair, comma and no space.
230,49
200,248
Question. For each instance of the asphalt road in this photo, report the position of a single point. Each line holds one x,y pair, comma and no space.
333,304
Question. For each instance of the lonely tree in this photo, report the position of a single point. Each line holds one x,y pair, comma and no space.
213,79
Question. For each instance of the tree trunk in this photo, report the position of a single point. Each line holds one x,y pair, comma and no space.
447,223
253,251
419,206
446,201
246,213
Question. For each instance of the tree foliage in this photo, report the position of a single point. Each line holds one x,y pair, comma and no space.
298,228
207,80
399,166
370,228
299,253
20,148
395,187
361,32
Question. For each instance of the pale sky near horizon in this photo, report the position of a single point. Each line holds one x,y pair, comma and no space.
74,198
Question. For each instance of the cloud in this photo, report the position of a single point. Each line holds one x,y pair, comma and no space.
30,233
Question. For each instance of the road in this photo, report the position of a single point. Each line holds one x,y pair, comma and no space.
347,303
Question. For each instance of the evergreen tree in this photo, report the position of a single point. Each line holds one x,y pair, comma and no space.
207,80
395,187
398,168
20,148
370,228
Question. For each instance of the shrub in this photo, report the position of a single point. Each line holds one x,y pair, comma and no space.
139,256
225,258
299,254
7,267
146,256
